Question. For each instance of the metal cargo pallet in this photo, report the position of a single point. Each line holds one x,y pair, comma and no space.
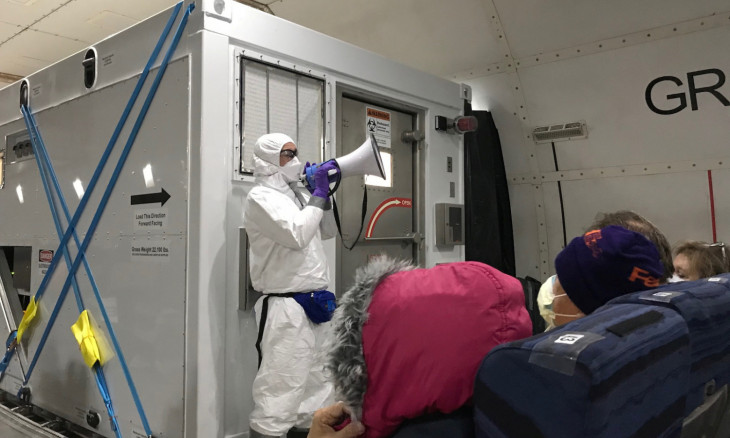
18,420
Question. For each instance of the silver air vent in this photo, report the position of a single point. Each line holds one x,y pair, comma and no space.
567,131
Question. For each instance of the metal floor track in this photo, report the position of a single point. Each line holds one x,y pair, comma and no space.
13,424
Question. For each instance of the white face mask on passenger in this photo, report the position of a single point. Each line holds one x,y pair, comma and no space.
545,302
292,170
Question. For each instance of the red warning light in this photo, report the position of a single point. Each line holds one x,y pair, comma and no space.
464,124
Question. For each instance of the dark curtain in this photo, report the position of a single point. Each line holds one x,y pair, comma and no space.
488,217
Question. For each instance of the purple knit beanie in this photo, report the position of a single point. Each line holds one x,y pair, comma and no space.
603,264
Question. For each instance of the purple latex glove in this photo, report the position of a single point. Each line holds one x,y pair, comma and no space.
321,179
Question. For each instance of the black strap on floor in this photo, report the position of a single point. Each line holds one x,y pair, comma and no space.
262,320
362,219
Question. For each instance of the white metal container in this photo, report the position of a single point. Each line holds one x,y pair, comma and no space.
169,274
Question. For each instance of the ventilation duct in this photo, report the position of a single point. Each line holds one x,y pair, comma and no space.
566,131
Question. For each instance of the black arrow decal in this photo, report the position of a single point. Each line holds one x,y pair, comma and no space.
151,198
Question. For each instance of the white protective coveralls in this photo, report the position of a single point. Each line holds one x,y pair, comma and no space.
286,255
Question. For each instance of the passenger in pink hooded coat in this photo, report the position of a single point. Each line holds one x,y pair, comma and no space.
409,341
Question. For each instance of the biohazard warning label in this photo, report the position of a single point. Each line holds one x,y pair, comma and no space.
150,249
378,123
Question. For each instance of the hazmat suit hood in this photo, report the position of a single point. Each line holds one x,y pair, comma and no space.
266,163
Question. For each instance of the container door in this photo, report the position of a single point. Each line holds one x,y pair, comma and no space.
390,218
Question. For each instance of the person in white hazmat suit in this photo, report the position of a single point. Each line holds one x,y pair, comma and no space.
285,229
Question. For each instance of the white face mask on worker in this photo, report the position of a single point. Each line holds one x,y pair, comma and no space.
292,171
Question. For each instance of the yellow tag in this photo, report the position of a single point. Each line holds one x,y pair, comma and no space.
84,334
28,317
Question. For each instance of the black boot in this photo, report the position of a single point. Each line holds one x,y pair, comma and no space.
297,432
253,434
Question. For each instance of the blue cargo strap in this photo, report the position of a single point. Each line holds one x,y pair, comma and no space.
81,254
102,206
46,169
102,163
105,199
105,156
9,346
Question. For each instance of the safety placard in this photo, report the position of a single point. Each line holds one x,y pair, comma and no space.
378,123
45,256
157,249
385,205
149,219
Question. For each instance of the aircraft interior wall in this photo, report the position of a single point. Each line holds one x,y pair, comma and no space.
656,115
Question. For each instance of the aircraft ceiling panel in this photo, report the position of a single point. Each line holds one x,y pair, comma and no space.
8,30
18,64
538,26
86,20
441,37
26,12
33,48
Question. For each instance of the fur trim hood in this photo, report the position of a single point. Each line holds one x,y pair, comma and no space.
347,362
409,341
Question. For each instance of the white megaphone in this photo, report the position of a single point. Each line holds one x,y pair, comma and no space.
365,160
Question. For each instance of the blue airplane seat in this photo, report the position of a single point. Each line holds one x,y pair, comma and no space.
705,306
622,371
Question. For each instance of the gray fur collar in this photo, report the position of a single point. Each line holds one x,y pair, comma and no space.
346,360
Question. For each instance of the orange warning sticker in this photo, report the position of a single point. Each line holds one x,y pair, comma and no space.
382,115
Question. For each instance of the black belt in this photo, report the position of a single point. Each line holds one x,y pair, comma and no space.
264,314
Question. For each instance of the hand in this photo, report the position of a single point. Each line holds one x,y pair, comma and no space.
325,418
306,180
321,179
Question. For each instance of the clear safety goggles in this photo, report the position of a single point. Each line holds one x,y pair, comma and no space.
288,153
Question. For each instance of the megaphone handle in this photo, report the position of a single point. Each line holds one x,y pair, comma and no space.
362,219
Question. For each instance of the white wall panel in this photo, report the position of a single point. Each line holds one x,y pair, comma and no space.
607,91
524,226
721,189
678,204
554,226
495,94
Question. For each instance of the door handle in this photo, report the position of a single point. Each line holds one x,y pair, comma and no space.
414,237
